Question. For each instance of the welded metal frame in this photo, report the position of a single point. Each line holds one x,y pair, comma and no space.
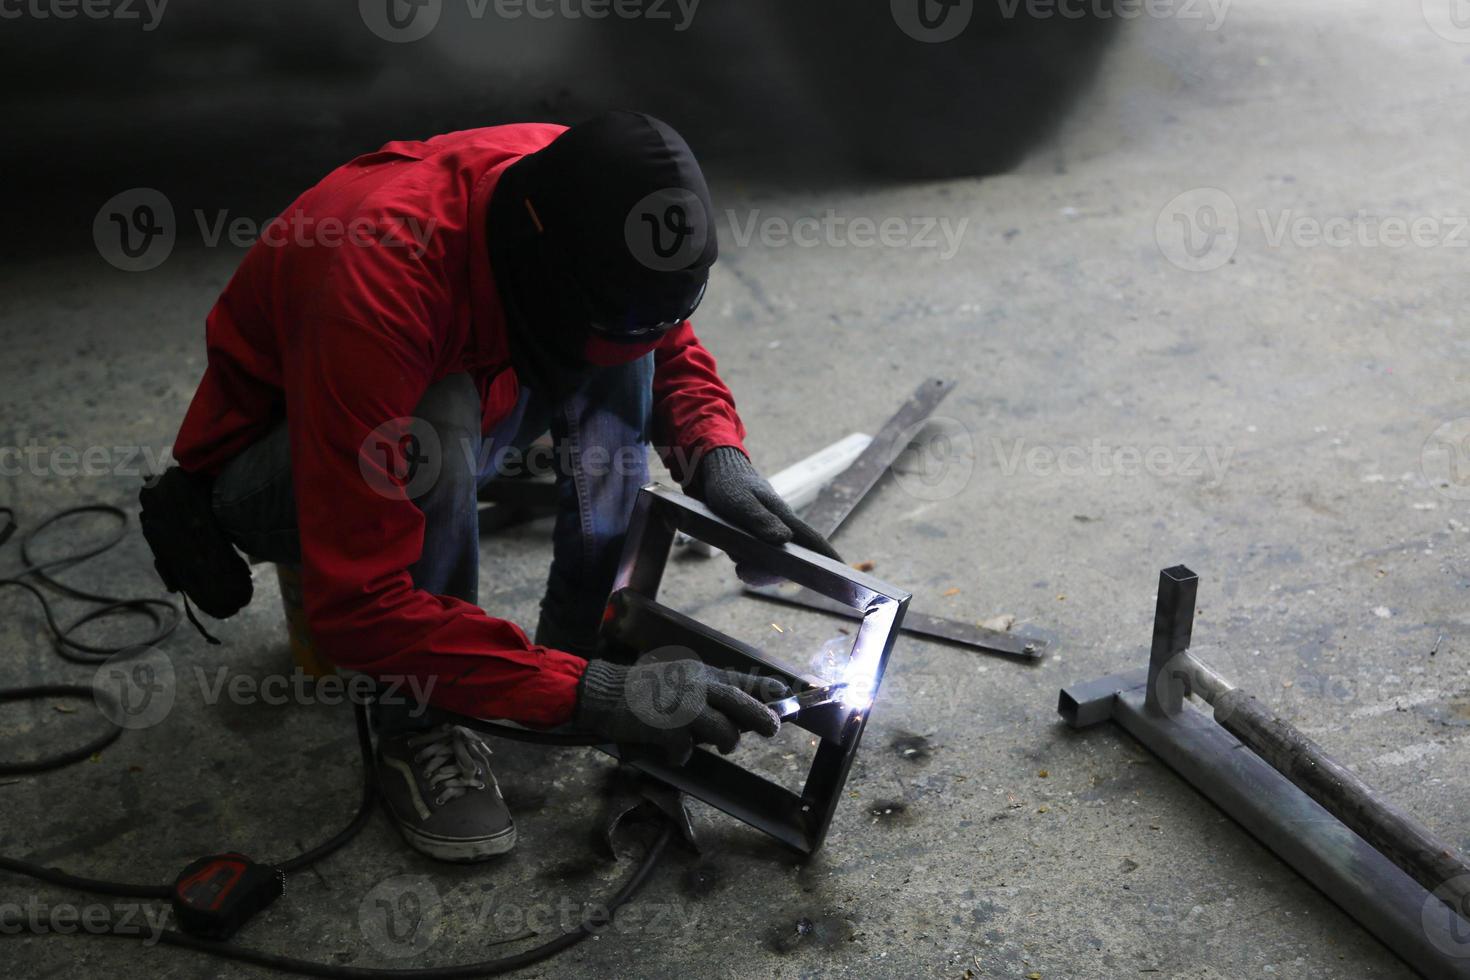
636,622
1385,900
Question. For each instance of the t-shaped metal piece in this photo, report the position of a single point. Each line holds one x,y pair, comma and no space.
1173,625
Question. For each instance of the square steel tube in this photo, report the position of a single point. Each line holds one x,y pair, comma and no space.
637,622
1347,869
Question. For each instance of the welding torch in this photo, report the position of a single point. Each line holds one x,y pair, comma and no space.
795,704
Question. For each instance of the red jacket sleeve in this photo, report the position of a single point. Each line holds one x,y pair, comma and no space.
348,377
693,411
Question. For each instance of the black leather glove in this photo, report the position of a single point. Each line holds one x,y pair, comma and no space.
675,704
729,485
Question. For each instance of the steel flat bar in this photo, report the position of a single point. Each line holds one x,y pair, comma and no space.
933,627
838,498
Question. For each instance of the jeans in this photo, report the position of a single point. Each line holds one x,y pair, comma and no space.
599,456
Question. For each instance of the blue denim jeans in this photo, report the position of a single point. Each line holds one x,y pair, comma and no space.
598,456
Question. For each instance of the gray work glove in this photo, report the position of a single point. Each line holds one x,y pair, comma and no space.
675,704
729,484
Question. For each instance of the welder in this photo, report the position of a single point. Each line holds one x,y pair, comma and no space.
466,294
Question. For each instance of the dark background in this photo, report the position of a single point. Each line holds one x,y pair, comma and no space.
242,106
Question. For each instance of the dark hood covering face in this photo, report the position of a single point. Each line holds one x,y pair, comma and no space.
611,221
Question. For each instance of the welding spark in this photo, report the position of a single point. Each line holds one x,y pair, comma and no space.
861,678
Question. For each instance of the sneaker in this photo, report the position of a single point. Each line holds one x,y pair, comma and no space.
439,789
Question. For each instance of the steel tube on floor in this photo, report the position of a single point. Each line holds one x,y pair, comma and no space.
1420,928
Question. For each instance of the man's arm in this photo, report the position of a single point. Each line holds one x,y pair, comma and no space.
700,437
693,410
345,379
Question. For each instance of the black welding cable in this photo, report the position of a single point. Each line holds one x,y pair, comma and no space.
85,653
288,964
96,653
163,613
364,809
56,876
66,758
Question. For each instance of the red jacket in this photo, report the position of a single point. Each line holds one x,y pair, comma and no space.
340,336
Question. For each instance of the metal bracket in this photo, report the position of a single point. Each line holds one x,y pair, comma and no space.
1149,705
1173,625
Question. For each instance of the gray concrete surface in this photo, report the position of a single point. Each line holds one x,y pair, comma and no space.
1288,396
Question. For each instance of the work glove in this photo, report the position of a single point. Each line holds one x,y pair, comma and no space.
675,704
729,485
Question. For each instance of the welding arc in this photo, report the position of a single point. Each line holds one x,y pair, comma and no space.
94,653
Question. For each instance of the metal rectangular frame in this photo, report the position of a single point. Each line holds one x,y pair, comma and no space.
636,621
1348,870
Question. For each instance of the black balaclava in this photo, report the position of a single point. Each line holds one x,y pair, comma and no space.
605,231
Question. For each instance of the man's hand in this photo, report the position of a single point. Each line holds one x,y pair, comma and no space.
675,704
728,483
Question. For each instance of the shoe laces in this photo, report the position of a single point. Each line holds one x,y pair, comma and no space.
454,760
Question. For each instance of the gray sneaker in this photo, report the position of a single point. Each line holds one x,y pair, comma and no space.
439,789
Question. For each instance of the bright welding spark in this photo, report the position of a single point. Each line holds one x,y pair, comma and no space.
861,678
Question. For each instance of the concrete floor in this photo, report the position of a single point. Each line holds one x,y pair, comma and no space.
1288,395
